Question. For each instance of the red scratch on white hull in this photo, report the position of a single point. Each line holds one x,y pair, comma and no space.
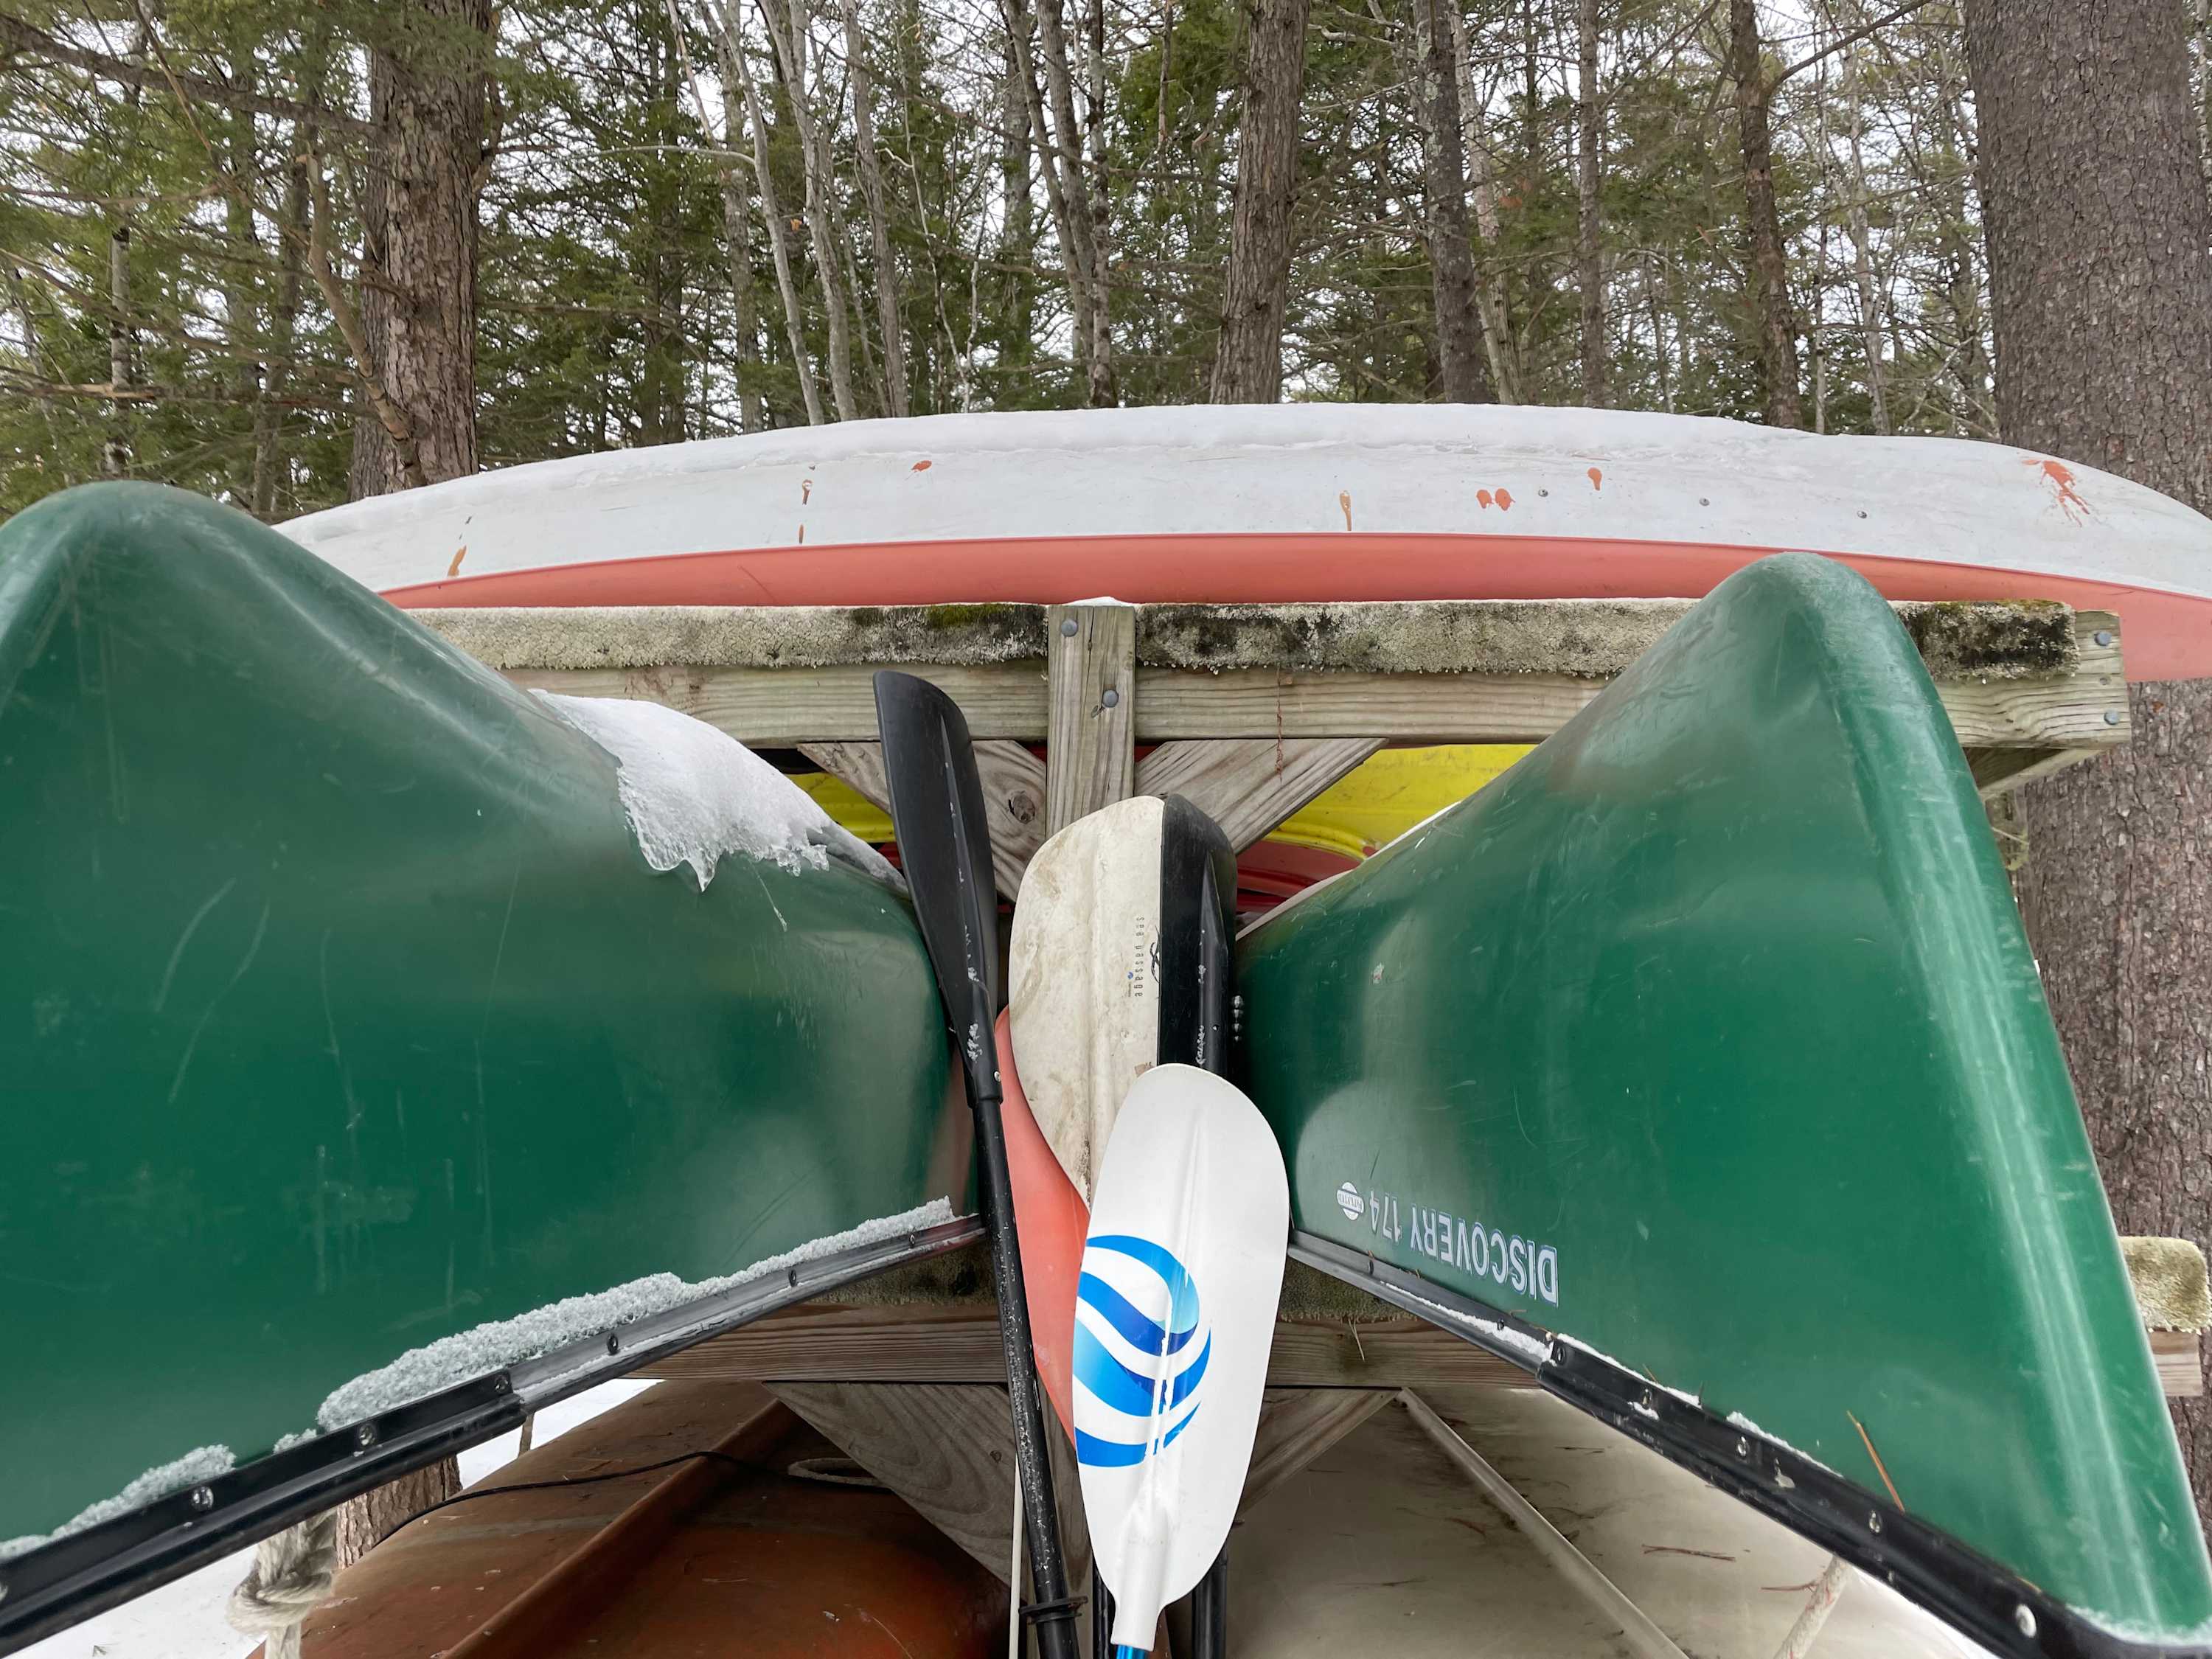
1597,479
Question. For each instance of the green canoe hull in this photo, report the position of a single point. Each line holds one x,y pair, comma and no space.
340,1011
1708,1038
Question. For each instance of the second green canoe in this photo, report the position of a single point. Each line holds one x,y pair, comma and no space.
1708,1038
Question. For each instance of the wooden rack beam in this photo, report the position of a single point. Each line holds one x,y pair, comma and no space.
2029,688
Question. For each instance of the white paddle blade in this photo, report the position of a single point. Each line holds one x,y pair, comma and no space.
1082,976
1181,1275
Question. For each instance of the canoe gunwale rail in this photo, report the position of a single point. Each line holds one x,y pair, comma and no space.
1928,1567
73,1578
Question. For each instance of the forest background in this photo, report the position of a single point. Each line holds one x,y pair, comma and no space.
714,215
287,252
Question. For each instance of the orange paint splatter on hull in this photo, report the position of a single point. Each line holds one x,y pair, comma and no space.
2060,477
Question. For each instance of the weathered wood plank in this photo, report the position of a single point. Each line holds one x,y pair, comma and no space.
784,708
910,1344
2011,729
1090,752
1529,707
1013,795
2179,1357
1594,637
948,1449
1297,1425
1249,786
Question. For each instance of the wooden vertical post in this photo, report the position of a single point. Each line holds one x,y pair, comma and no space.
1091,757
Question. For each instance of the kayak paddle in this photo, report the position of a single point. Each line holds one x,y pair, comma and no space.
1174,1314
945,846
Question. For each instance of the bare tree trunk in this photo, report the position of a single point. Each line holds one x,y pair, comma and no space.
1018,232
737,230
115,456
662,374
872,186
283,340
1962,285
122,350
1770,276
1019,43
1451,256
1247,363
730,46
1104,391
2094,190
1065,157
427,91
1589,254
1490,289
1658,337
242,323
789,36
1862,240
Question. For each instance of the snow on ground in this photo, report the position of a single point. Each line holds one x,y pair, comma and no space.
184,1619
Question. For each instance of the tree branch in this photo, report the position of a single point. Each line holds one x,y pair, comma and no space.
18,36
393,418
1849,37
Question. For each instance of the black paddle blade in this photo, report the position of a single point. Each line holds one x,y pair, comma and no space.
945,846
1198,929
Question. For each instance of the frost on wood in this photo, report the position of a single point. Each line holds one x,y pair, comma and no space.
202,1463
454,1359
694,795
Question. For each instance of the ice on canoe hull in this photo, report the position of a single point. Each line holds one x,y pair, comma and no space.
344,1012
1708,1037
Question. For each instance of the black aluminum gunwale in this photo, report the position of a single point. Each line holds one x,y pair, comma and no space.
62,1583
1926,1565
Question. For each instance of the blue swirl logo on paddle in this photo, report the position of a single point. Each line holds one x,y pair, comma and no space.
1141,1347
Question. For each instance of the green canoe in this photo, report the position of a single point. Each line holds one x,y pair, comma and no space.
1706,1048
344,1014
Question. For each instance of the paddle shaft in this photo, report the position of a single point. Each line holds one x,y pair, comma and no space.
944,845
1198,969
1055,1624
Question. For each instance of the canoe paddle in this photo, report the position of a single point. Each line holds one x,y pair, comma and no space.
945,846
1121,961
1175,1314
